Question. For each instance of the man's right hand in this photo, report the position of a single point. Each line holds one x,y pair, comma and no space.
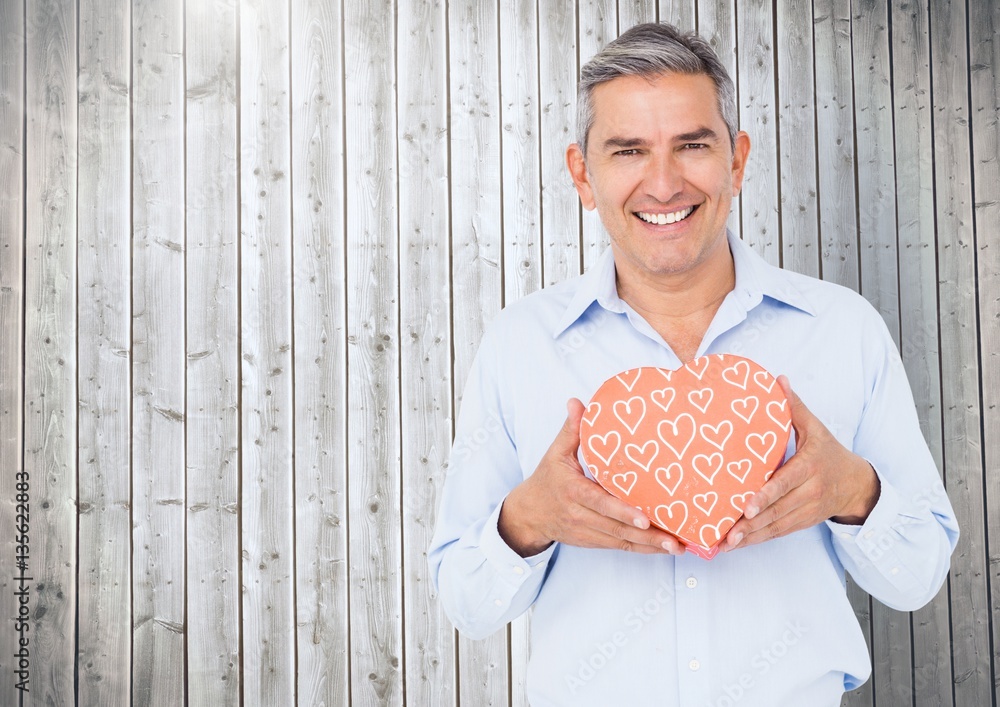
558,503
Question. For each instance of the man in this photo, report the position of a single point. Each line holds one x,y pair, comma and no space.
621,614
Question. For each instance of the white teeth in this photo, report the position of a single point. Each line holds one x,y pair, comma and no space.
663,219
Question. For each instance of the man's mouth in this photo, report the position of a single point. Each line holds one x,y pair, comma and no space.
664,219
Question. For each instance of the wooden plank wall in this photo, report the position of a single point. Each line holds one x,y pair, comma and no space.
248,250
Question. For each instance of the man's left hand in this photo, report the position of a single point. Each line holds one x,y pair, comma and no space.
822,480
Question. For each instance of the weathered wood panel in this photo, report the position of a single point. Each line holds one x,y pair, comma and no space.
103,291
50,367
633,12
931,626
158,356
557,76
477,242
12,243
266,343
984,74
425,340
321,517
212,550
796,109
963,469
374,483
680,13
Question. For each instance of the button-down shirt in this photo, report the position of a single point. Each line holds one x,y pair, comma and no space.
769,624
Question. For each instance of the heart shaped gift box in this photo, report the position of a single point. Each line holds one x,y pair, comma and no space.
688,447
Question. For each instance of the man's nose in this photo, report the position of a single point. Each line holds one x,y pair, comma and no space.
663,179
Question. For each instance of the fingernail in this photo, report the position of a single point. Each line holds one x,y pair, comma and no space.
750,511
667,546
735,540
640,523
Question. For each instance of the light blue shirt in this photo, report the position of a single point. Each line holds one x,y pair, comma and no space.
765,625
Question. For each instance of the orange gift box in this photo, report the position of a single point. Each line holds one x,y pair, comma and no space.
688,447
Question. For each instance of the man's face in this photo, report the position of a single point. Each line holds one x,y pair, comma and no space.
660,171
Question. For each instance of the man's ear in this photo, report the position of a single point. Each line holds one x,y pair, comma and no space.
581,180
740,153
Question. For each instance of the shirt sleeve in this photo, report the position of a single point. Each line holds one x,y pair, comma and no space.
901,553
482,583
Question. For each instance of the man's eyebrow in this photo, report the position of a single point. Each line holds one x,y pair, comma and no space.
696,135
623,143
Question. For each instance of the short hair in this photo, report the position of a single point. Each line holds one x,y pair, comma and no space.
649,50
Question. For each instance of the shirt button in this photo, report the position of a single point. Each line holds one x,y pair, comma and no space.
895,570
869,534
694,664
691,583
499,602
518,570
846,536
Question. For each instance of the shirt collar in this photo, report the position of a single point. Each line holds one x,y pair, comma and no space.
755,279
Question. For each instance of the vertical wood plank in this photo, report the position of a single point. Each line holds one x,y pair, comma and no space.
50,371
758,117
717,26
984,60
373,355
835,126
598,25
12,255
959,354
213,369
425,341
266,341
103,315
558,71
477,242
634,12
682,14
799,213
321,518
891,641
158,355
932,677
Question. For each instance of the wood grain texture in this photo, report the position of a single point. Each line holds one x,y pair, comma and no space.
759,118
557,69
374,483
634,12
679,13
12,244
50,369
425,341
597,25
477,241
984,67
960,379
835,131
321,517
213,363
931,626
158,356
104,320
799,208
266,344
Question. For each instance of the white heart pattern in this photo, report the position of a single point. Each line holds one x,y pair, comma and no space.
675,473
625,481
644,455
631,412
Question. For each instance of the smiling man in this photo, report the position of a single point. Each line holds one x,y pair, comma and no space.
621,615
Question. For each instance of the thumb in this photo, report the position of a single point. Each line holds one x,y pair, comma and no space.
568,439
802,417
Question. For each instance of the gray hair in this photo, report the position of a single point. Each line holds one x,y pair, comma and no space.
649,50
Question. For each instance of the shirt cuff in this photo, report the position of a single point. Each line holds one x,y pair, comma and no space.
504,560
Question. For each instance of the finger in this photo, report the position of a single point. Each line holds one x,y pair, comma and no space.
568,439
802,417
623,536
786,525
789,476
609,506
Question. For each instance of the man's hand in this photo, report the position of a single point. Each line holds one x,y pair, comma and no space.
558,503
822,480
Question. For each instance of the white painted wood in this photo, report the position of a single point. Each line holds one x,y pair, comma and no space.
558,71
963,470
633,12
597,22
321,517
12,244
679,13
104,318
931,626
759,118
50,367
213,364
158,356
799,208
373,453
984,60
425,340
266,344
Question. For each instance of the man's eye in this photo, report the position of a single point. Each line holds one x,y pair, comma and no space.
626,153
695,146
